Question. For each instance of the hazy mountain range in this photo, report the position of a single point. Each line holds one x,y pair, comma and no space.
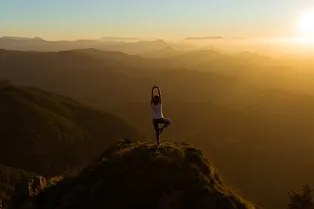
127,45
49,133
251,114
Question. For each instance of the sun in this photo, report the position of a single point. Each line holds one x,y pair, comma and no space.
307,23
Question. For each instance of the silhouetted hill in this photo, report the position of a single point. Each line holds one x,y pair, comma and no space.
224,103
91,76
138,175
48,133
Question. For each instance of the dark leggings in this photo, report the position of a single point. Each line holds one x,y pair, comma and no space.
165,121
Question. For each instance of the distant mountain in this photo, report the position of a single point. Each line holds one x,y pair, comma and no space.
48,133
253,56
204,38
163,53
110,43
125,39
144,46
20,38
198,59
90,75
208,38
119,39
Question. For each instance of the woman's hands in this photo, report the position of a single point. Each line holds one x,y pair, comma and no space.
159,92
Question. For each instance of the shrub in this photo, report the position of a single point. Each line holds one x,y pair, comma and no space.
302,200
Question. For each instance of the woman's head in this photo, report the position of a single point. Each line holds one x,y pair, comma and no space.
156,99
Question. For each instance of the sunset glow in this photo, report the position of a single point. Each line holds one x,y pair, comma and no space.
307,23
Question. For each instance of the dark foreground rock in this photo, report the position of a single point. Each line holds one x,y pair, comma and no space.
136,175
27,191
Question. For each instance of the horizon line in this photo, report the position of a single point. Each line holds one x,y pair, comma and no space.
104,38
184,39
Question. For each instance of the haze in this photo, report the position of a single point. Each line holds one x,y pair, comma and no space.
236,79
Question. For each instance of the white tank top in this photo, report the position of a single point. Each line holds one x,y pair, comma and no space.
157,111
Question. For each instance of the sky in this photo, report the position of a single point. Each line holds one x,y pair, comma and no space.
90,19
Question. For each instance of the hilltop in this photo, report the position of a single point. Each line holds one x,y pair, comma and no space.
137,175
48,133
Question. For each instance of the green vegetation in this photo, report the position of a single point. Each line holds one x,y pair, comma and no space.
251,114
142,175
302,200
48,133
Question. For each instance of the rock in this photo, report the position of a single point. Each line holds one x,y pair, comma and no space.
73,196
135,175
26,191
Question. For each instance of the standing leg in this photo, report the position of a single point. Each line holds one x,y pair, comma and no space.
157,132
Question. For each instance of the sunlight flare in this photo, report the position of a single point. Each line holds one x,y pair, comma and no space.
307,23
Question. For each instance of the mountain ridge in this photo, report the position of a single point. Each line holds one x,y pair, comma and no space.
39,44
54,132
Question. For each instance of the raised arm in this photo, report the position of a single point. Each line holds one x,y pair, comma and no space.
154,87
151,99
159,93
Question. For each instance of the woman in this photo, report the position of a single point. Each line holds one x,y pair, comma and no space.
158,117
